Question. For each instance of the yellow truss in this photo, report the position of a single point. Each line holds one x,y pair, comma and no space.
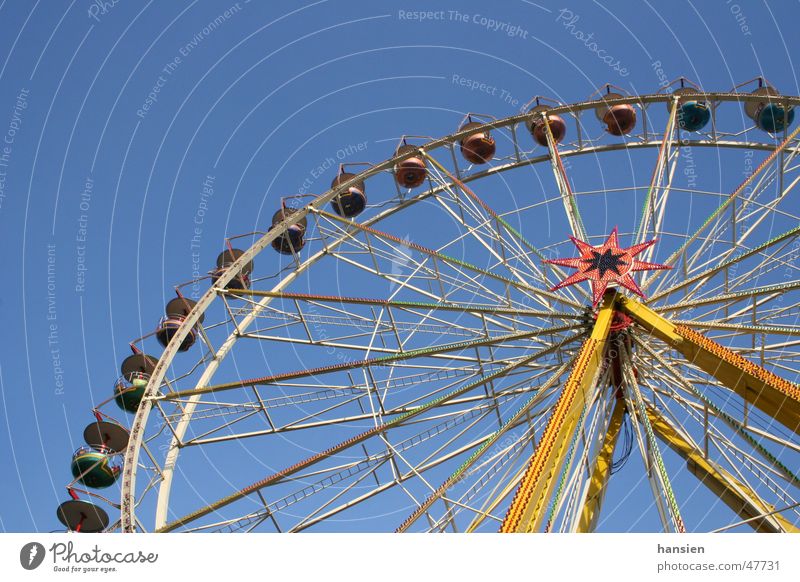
528,507
768,392
602,471
735,494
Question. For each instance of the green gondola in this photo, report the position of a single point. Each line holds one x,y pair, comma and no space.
774,118
128,396
694,115
93,468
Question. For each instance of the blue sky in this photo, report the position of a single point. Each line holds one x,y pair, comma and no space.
118,113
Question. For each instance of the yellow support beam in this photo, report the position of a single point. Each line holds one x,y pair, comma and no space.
529,505
602,471
768,392
735,494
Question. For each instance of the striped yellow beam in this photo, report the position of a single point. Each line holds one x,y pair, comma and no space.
735,494
768,392
602,471
529,505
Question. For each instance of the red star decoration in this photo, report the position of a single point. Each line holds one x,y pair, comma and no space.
606,264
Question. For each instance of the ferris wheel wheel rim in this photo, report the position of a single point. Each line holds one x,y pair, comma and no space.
165,360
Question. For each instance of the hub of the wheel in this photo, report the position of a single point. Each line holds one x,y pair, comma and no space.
606,265
619,338
619,321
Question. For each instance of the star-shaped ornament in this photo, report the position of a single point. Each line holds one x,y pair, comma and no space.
606,264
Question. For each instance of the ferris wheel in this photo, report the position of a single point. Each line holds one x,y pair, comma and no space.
465,337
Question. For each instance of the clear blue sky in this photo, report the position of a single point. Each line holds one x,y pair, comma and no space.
257,104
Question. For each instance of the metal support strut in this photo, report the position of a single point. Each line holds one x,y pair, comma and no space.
773,395
527,511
